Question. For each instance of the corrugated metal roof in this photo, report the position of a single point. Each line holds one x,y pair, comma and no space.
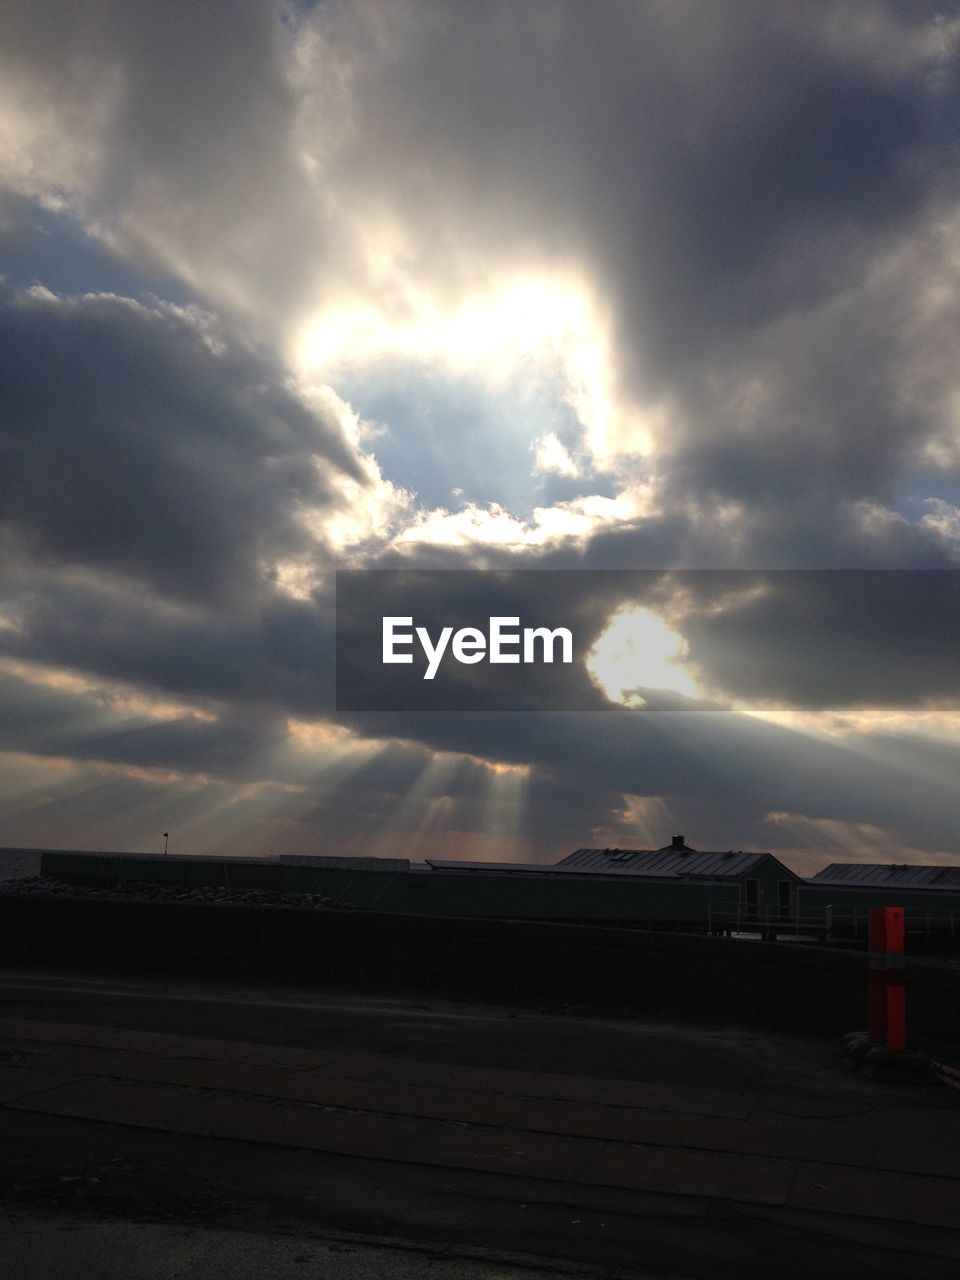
895,874
463,864
671,863
342,863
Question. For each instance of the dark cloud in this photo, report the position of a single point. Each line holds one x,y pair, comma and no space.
722,773
833,639
756,192
138,443
760,197
806,639
764,531
175,128
280,654
757,195
726,770
801,639
50,721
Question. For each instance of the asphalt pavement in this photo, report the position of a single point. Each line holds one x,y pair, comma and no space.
394,1134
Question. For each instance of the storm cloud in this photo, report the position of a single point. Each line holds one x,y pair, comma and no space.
659,286
137,442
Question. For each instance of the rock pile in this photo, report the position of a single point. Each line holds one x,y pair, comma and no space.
143,891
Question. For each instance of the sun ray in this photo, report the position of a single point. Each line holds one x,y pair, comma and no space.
504,812
416,812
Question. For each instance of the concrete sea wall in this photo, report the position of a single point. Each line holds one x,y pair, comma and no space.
601,968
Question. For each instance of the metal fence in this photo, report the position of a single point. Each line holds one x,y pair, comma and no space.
826,921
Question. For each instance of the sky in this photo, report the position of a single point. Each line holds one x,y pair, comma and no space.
669,286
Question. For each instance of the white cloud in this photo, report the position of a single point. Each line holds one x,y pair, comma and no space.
944,518
492,526
550,456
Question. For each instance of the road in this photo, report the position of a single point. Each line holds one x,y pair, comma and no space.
176,1129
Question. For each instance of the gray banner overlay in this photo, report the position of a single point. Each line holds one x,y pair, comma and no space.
469,640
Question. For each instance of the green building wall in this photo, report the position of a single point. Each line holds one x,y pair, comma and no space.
514,895
435,892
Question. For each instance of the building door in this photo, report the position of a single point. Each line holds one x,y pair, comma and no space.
751,895
785,898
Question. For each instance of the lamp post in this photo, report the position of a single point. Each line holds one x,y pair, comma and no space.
165,838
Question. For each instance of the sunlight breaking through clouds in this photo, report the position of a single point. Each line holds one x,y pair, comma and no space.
525,285
638,651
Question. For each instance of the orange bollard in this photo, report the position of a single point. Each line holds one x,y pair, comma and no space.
896,992
877,992
882,1053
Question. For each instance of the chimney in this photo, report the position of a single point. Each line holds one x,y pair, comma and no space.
677,844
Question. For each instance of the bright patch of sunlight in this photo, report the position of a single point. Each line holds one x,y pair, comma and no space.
639,651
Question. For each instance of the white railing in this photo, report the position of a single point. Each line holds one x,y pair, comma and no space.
826,921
